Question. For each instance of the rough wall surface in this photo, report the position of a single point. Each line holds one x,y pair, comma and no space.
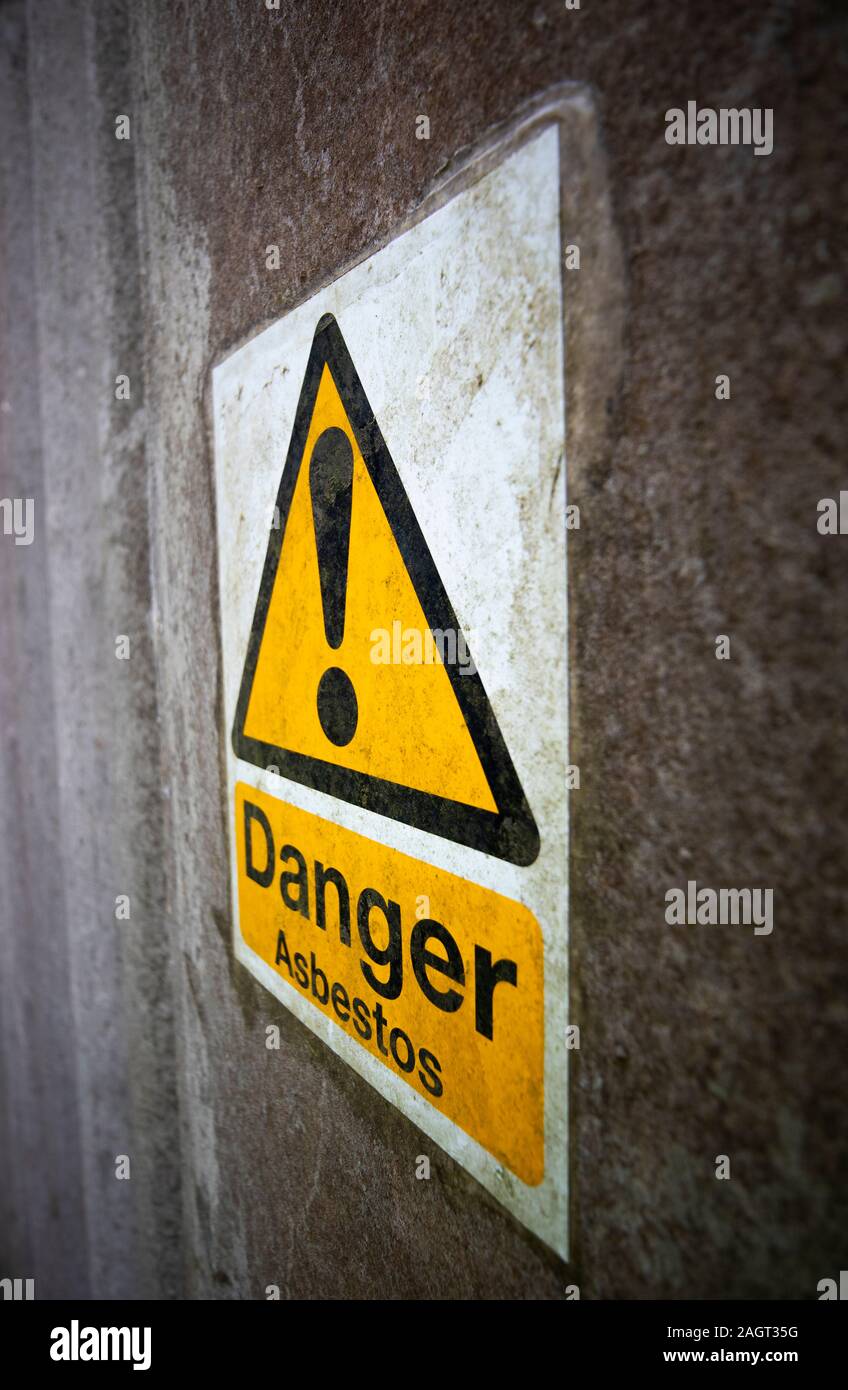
43,1219
92,1070
297,127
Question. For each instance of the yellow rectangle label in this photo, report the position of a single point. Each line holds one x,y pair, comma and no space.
438,978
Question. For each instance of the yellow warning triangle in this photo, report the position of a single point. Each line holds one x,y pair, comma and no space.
358,680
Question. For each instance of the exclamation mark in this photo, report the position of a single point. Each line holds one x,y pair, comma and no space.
331,486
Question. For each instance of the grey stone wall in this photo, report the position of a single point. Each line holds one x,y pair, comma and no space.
144,1037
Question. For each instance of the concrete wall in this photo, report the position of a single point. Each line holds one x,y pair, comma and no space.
87,1011
144,1038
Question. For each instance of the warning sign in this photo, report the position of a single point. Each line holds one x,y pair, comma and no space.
390,485
435,997
347,574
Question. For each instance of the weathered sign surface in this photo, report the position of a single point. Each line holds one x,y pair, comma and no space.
391,518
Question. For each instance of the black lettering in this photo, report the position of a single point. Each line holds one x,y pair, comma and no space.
323,876
429,1066
486,975
392,954
448,1000
338,994
394,1037
283,951
380,1019
319,975
301,972
261,876
360,1008
301,902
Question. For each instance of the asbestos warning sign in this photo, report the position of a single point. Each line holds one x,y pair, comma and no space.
390,492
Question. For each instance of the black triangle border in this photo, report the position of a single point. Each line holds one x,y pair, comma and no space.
509,834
